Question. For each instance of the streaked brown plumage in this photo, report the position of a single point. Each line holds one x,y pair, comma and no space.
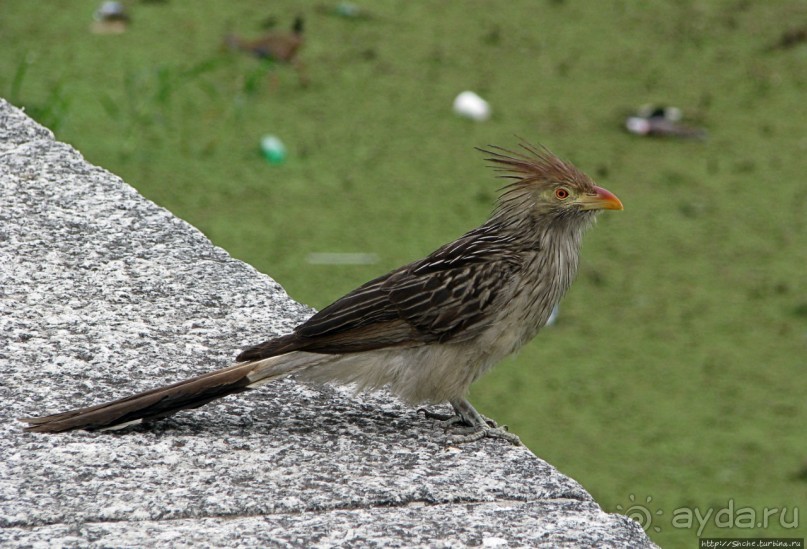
276,46
426,330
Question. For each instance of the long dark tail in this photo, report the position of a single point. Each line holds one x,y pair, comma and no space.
165,401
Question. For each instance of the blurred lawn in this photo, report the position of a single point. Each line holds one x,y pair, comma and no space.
676,370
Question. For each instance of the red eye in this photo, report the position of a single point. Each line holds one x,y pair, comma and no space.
561,193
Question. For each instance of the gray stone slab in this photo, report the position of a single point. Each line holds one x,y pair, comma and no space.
103,293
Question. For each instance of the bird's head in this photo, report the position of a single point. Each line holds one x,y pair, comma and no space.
297,27
544,187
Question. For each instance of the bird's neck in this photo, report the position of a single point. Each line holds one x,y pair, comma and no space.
552,262
559,240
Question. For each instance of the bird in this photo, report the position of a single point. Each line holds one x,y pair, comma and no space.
110,18
427,330
662,122
282,47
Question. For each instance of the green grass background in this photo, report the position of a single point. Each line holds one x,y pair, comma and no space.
677,368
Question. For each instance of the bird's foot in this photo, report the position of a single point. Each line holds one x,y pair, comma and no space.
469,425
441,420
447,420
465,435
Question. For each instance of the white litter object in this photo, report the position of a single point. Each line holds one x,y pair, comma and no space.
638,125
110,10
469,105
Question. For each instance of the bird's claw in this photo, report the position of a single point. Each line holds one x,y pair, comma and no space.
438,417
465,433
447,420
476,433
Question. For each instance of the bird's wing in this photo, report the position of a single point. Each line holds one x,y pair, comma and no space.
448,292
447,296
450,295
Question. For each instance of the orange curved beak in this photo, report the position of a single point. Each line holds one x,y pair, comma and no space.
601,199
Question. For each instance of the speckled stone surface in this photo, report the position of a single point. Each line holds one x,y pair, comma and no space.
103,293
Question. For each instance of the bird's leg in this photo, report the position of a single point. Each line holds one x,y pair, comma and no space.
447,420
443,419
476,426
470,416
302,74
